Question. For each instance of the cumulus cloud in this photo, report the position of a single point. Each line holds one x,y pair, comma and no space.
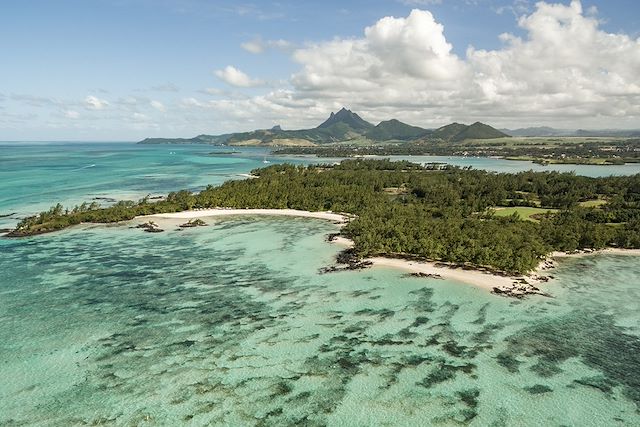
94,103
566,66
566,70
234,77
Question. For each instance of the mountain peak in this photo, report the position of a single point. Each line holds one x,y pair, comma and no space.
347,117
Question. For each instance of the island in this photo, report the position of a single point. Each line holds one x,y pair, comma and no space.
506,224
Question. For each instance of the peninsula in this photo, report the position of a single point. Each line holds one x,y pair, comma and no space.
503,223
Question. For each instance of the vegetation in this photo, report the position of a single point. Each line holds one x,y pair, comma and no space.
405,209
523,212
395,130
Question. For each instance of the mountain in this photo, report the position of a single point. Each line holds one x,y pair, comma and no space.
449,132
345,125
459,132
346,117
395,130
479,131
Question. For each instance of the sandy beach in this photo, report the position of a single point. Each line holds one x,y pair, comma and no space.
204,213
607,251
471,277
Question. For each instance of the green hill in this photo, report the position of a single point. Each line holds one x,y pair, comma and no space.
479,131
395,130
459,132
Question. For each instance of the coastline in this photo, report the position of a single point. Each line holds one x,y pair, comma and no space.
510,285
522,284
476,277
218,212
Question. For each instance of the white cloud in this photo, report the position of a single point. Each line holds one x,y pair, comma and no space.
158,106
567,66
94,103
258,45
254,46
565,71
71,114
234,77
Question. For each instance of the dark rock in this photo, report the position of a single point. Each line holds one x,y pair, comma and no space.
332,237
153,230
426,275
193,223
349,259
518,289
538,389
150,227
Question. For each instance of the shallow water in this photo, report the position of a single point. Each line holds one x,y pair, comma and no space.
36,176
232,325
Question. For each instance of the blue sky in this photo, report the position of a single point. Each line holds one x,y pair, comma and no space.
127,69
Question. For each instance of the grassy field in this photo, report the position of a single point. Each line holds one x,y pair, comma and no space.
522,211
593,203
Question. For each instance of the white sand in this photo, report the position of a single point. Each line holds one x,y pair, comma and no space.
472,277
330,216
607,251
343,241
485,279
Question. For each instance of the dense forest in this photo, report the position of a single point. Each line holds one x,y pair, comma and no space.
402,208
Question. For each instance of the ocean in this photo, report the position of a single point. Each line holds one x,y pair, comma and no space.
232,324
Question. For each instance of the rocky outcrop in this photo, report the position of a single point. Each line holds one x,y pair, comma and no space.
150,227
520,289
426,275
347,260
193,223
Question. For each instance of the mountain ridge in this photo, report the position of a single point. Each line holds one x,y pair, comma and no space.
344,125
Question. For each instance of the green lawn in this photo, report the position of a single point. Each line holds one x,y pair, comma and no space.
523,211
593,203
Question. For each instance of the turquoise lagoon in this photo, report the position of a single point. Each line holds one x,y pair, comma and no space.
232,324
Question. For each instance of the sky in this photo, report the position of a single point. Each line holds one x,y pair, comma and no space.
129,69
